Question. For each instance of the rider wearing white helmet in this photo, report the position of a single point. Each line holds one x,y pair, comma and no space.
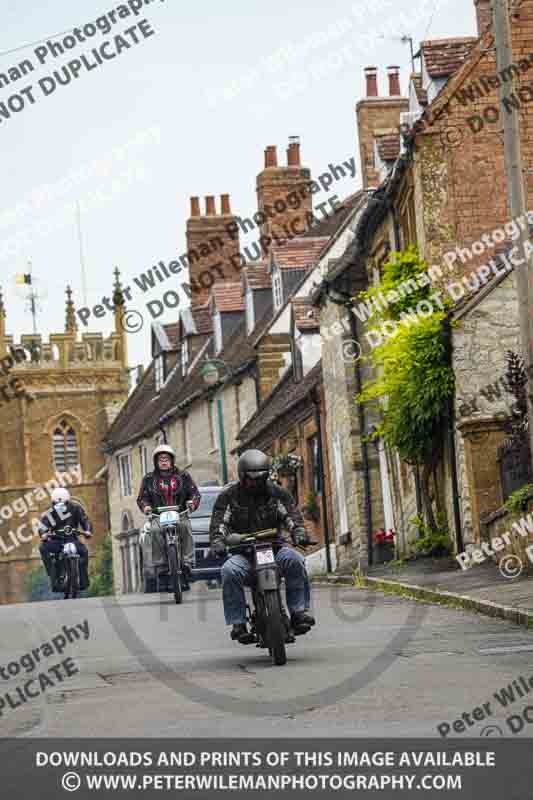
64,512
167,486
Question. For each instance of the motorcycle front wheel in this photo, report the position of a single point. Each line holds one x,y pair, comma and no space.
175,578
275,628
73,578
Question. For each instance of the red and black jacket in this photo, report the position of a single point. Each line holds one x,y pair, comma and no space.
171,488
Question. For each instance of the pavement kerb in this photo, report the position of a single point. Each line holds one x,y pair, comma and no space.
519,616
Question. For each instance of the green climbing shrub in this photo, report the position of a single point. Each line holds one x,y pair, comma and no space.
433,542
517,502
101,570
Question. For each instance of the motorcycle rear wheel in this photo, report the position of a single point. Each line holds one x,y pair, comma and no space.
275,628
175,577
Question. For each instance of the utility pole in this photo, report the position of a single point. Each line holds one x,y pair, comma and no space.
516,191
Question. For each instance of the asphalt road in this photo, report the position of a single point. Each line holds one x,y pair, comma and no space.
374,665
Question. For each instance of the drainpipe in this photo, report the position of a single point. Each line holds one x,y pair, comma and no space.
450,435
315,397
347,303
364,445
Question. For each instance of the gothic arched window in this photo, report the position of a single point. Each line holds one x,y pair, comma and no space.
65,446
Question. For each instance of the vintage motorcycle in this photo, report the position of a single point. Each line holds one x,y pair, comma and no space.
270,626
66,565
170,518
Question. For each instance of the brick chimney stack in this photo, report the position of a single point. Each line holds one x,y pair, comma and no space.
279,188
394,81
371,75
195,206
483,15
377,116
210,245
271,156
293,152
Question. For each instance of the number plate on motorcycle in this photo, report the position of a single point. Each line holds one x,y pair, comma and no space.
169,518
265,556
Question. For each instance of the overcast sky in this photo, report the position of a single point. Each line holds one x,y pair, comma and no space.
207,92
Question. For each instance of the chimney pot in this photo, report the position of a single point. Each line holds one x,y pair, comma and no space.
371,75
224,200
195,206
293,152
394,81
271,156
210,209
483,15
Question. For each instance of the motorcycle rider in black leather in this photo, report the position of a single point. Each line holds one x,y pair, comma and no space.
64,512
167,486
251,504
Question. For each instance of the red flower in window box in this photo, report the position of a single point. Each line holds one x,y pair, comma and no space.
384,537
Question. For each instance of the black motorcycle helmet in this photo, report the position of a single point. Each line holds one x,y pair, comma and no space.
253,469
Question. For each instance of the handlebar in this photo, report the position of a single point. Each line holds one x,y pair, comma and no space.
239,539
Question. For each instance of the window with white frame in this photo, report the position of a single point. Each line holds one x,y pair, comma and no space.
250,315
124,467
277,287
159,372
211,412
218,332
184,356
143,458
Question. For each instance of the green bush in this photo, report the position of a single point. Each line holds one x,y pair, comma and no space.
433,543
517,502
101,570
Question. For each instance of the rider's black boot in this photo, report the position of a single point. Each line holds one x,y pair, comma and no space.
238,630
302,621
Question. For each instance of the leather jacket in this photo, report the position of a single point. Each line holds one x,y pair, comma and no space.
73,516
237,510
172,488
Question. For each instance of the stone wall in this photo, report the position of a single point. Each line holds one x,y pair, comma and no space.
484,333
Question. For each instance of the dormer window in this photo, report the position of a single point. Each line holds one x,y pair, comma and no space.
159,372
217,322
184,356
250,314
277,288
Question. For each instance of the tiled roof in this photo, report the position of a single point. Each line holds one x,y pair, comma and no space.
287,394
443,57
328,227
202,319
389,147
228,296
306,316
301,253
421,94
257,275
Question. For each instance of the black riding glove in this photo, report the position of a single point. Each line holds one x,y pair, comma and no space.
299,537
218,548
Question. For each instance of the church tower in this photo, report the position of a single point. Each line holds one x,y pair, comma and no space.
58,399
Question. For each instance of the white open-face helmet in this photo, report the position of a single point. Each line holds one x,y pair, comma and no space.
60,496
164,449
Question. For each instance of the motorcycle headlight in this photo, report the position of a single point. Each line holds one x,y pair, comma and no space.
69,549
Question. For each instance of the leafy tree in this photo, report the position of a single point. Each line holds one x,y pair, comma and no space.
414,379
